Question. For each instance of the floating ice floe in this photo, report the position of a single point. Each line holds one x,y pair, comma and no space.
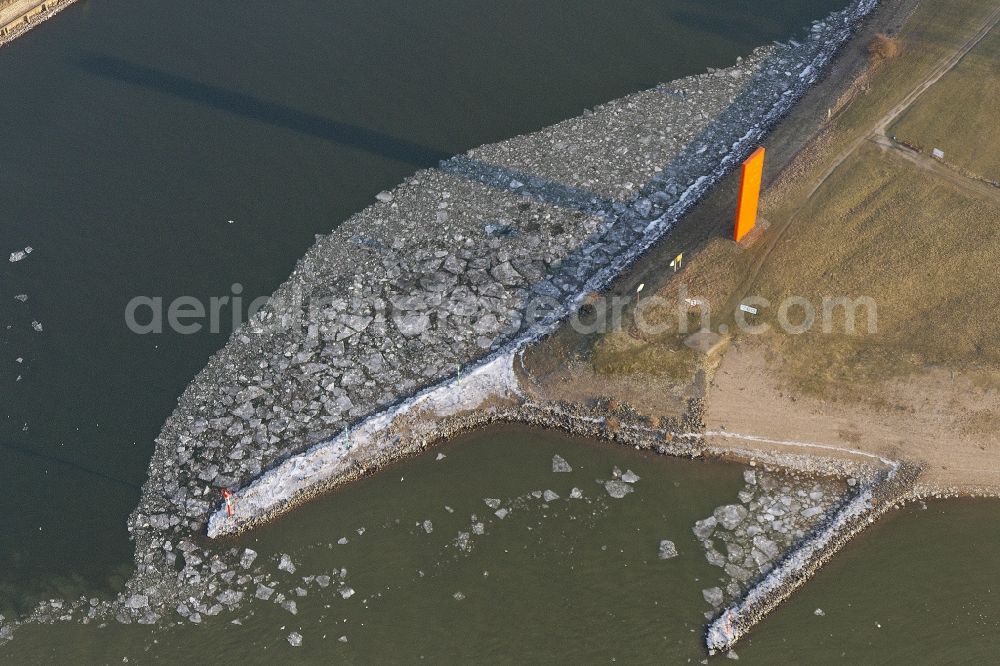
18,255
618,489
246,560
285,564
714,596
295,639
559,464
667,549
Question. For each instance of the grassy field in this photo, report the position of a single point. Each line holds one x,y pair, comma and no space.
961,112
923,250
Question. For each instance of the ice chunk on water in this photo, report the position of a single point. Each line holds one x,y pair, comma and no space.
286,564
549,496
766,546
428,526
347,592
492,502
618,489
667,549
704,528
730,516
464,541
246,560
501,513
559,464
630,477
458,596
713,595
295,639
575,493
715,558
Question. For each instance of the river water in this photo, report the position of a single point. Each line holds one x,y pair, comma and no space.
566,580
178,149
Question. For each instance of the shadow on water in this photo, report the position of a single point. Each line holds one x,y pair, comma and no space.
254,108
25,451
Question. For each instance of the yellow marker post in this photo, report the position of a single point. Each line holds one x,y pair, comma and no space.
749,196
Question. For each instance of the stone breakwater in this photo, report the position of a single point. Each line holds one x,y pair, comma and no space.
886,490
468,261
513,278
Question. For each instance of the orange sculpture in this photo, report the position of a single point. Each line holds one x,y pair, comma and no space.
746,204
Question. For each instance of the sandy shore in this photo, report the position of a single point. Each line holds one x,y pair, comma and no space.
926,424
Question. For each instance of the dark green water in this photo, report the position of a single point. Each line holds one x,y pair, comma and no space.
133,131
569,581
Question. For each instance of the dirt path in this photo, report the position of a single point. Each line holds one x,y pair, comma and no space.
923,162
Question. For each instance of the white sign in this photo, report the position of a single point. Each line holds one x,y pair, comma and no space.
747,308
